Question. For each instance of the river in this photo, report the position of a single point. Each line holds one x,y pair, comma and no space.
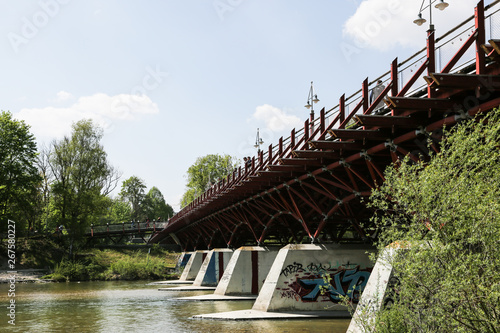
124,306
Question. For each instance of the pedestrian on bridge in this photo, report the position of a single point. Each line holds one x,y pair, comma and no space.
376,91
248,162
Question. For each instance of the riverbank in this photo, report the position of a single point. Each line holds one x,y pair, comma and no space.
42,260
24,276
111,264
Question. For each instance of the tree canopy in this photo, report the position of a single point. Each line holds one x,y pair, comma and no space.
83,177
143,206
207,170
447,212
69,183
19,176
133,192
155,205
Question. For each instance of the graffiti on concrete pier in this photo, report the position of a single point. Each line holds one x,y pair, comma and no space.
328,284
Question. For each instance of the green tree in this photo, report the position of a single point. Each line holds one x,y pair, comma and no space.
133,192
83,177
44,190
118,211
19,176
155,205
447,212
205,171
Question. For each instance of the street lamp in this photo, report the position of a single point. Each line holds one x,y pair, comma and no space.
431,48
311,100
441,5
258,141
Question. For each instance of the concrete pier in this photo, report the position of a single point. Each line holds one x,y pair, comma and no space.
183,260
379,292
247,270
193,265
309,279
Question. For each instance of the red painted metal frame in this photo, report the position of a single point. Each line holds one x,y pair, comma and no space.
269,198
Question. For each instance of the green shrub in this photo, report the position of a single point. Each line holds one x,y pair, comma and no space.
68,270
138,268
448,209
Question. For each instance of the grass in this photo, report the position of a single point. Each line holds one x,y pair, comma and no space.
117,265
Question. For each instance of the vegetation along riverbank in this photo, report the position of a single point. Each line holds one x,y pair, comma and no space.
44,259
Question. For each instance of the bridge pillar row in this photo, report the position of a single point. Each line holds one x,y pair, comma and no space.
307,280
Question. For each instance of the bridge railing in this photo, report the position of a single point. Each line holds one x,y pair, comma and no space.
127,226
451,52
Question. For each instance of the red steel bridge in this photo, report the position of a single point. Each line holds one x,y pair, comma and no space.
310,186
125,230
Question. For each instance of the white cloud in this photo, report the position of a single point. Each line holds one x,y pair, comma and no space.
55,122
275,119
63,96
272,122
382,24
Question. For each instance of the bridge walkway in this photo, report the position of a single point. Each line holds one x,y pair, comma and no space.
118,231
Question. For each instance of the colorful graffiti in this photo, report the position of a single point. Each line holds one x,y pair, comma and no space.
319,282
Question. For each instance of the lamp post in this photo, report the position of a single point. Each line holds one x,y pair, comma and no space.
441,5
431,67
258,142
311,100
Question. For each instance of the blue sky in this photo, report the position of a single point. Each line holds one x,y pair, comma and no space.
171,81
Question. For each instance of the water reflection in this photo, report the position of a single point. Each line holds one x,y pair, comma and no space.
133,307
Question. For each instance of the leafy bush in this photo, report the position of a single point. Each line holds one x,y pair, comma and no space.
68,270
449,210
138,268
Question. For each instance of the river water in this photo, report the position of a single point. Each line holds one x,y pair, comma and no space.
122,306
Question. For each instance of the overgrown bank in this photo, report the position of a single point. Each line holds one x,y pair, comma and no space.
445,212
94,264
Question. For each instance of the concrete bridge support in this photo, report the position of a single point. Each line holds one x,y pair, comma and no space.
183,260
298,274
247,270
308,279
212,269
193,265
379,292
